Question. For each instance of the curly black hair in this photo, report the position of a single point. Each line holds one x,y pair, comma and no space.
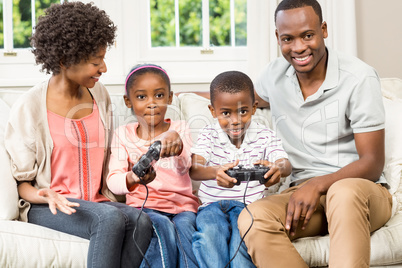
231,82
70,33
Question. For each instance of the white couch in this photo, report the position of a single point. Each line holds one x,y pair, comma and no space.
28,245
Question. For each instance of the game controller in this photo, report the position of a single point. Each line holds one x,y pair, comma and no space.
147,160
255,173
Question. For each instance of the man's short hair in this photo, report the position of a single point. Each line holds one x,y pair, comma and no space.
231,82
292,4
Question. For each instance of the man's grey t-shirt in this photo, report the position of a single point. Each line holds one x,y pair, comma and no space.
318,132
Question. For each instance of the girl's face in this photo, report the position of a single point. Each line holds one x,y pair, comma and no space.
149,98
87,73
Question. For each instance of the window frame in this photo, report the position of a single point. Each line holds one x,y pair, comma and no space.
185,65
208,61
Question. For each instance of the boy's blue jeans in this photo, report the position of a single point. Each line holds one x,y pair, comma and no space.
217,237
170,246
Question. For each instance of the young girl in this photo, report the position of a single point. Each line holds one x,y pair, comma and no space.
170,202
58,138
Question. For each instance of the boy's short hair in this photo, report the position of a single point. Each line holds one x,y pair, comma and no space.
69,33
231,82
292,4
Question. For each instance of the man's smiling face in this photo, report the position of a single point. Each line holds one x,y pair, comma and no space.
301,36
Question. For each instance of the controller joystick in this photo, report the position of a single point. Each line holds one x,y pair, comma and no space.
255,173
148,159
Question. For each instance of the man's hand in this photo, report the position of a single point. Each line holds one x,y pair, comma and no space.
223,179
302,204
171,144
57,202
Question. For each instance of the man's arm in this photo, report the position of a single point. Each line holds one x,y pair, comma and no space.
261,103
303,202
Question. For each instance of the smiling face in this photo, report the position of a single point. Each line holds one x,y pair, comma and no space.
149,97
301,36
87,72
233,111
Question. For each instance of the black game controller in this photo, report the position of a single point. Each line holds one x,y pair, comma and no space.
144,164
255,173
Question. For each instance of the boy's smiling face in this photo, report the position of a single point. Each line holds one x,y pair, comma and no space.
233,111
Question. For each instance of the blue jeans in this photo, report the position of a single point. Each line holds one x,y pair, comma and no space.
171,244
109,227
217,237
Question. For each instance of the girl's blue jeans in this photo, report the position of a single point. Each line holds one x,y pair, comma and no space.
217,237
109,227
171,244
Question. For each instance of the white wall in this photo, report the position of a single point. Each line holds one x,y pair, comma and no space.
379,35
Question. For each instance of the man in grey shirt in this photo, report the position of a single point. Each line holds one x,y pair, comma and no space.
327,109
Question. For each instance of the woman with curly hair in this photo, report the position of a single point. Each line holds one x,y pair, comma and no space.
58,138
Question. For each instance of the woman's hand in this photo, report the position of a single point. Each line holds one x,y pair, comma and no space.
57,202
171,144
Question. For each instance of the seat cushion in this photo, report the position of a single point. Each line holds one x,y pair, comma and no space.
28,245
393,150
386,245
8,186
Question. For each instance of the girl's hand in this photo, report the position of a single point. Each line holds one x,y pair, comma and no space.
133,179
223,179
57,201
149,177
171,144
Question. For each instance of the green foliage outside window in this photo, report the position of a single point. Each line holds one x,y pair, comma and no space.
22,20
190,23
1,25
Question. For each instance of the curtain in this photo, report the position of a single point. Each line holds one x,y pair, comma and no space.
261,41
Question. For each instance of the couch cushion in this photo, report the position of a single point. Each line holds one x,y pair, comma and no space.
28,245
392,88
393,149
8,186
194,109
386,244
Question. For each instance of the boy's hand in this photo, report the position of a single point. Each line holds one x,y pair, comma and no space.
171,144
57,202
223,179
274,173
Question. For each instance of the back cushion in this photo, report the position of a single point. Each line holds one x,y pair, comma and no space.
8,186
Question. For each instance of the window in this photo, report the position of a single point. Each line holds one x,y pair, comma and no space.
177,23
18,18
17,21
194,39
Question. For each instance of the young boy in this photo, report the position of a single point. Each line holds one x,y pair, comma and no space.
233,140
